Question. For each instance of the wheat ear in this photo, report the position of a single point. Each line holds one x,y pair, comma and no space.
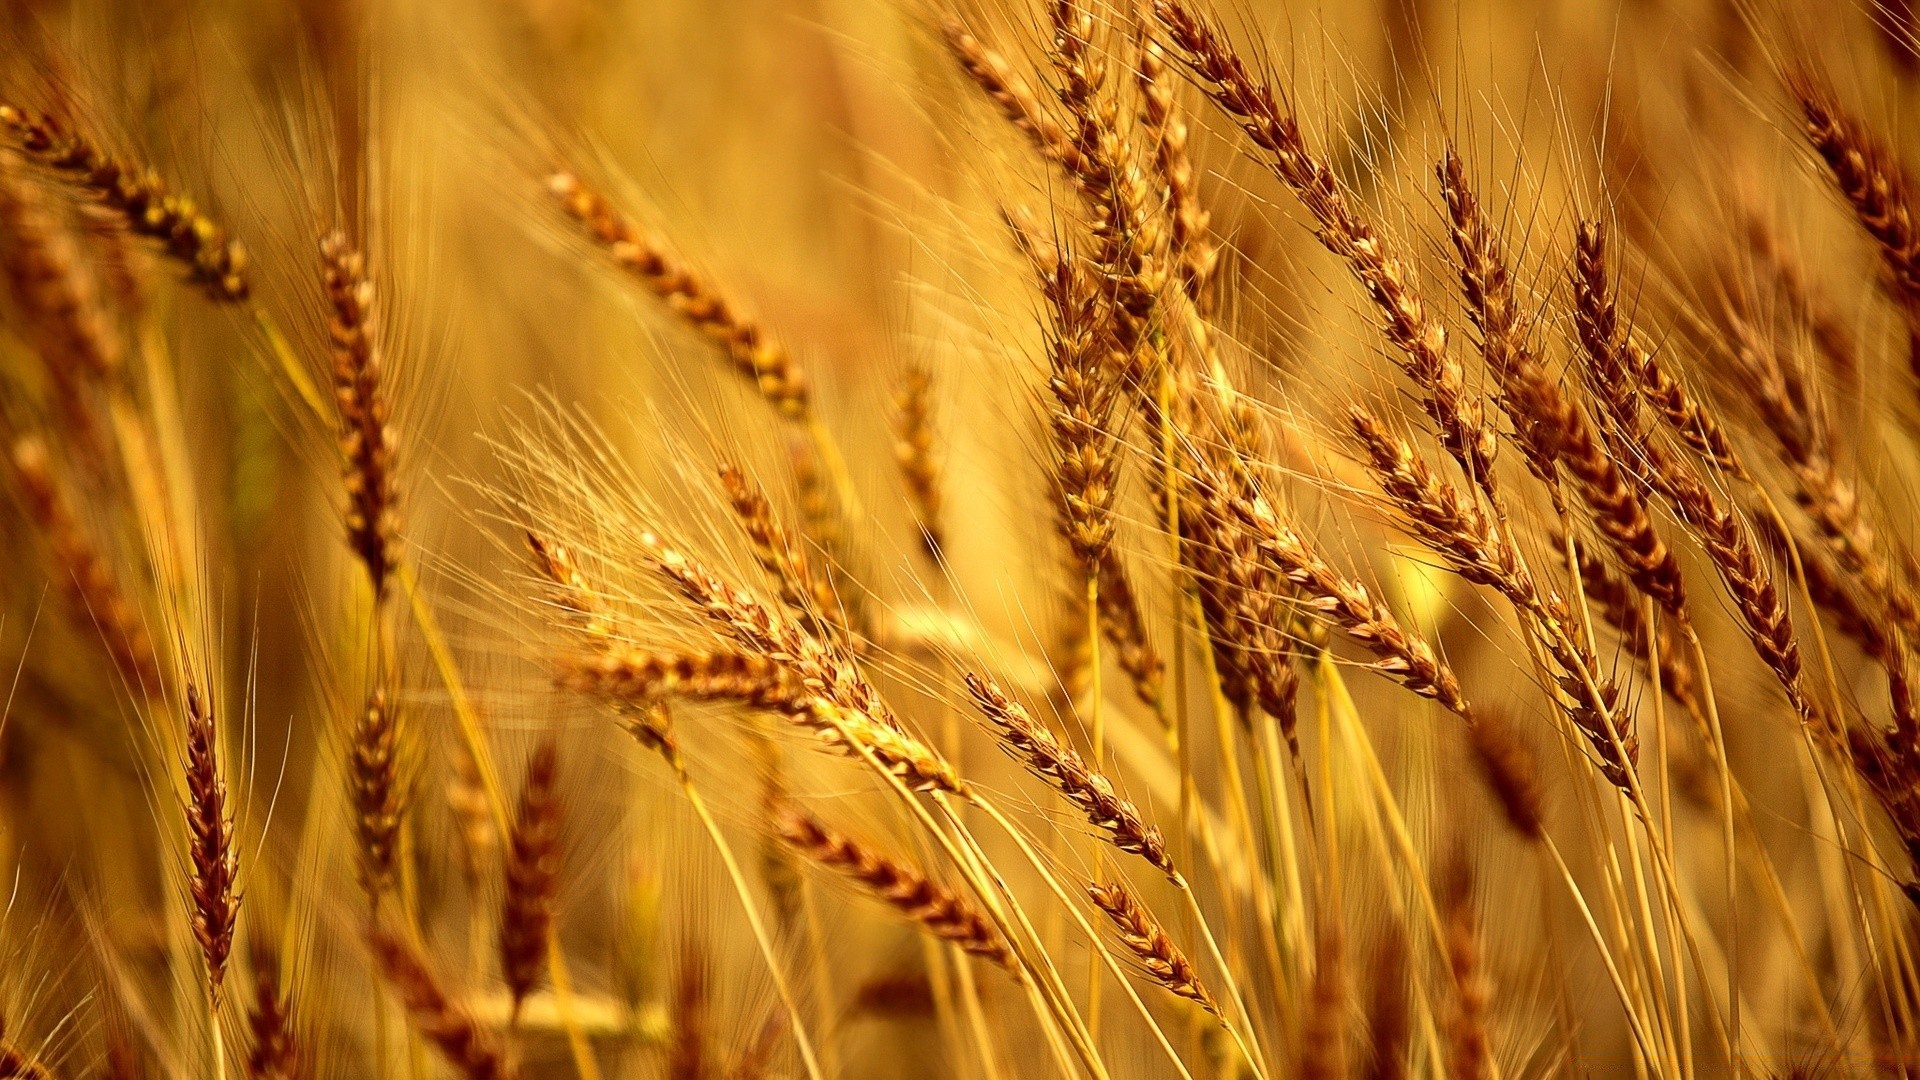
139,197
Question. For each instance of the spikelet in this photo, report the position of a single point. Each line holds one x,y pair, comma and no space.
1508,766
1385,273
1188,241
1008,92
1124,626
1082,416
1127,240
898,994
215,865
1870,178
932,906
377,792
362,398
1479,551
1466,1042
1324,1052
747,344
532,868
1159,958
636,678
1240,595
841,706
687,1053
139,197
274,1053
1611,361
1389,1023
60,306
476,836
913,452
807,594
1400,654
1066,772
86,576
441,1020
1614,600
1552,431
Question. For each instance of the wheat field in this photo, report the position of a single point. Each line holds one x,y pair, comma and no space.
1099,539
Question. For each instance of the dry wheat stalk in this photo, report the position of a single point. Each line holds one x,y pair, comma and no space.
1324,1053
1552,431
1803,436
1532,401
1241,598
1611,357
1128,241
1009,93
840,706
1467,1044
1808,303
806,593
1188,241
1345,603
1686,415
1389,1020
1085,383
1870,178
1620,607
1125,627
1507,764
687,1056
636,677
1082,417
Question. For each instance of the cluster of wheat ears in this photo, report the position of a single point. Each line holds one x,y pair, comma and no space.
1387,564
